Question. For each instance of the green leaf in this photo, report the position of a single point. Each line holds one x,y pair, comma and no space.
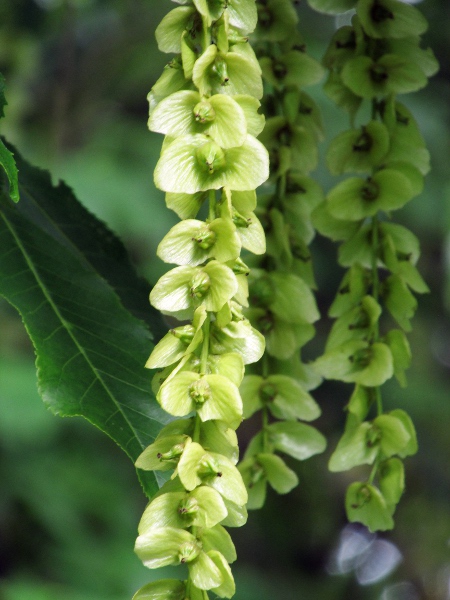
171,28
211,10
3,101
162,546
186,206
240,337
405,134
357,250
197,594
355,324
309,116
278,238
287,399
341,95
391,476
250,106
354,448
9,165
197,466
188,55
230,365
190,464
405,242
226,73
293,300
217,538
300,142
250,393
358,149
170,349
394,437
296,439
163,512
164,589
176,395
354,198
179,290
237,515
412,173
203,507
224,403
292,68
410,48
354,286
411,446
278,474
303,195
282,337
248,226
242,14
204,573
356,361
360,401
60,275
399,301
164,453
391,74
302,264
172,80
365,504
185,113
251,233
227,588
332,7
390,19
192,242
216,436
412,277
212,396
253,477
275,20
401,353
194,163
343,46
257,493
330,226
179,342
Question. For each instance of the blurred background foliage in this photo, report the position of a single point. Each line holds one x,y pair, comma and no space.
77,74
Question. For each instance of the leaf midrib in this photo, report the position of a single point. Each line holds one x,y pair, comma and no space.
61,319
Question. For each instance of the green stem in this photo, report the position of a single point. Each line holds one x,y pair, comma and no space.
206,37
205,346
376,294
203,370
373,472
375,276
196,434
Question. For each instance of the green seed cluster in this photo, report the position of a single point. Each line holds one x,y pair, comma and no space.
370,62
206,103
282,305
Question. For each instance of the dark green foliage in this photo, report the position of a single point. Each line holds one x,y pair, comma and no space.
90,348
